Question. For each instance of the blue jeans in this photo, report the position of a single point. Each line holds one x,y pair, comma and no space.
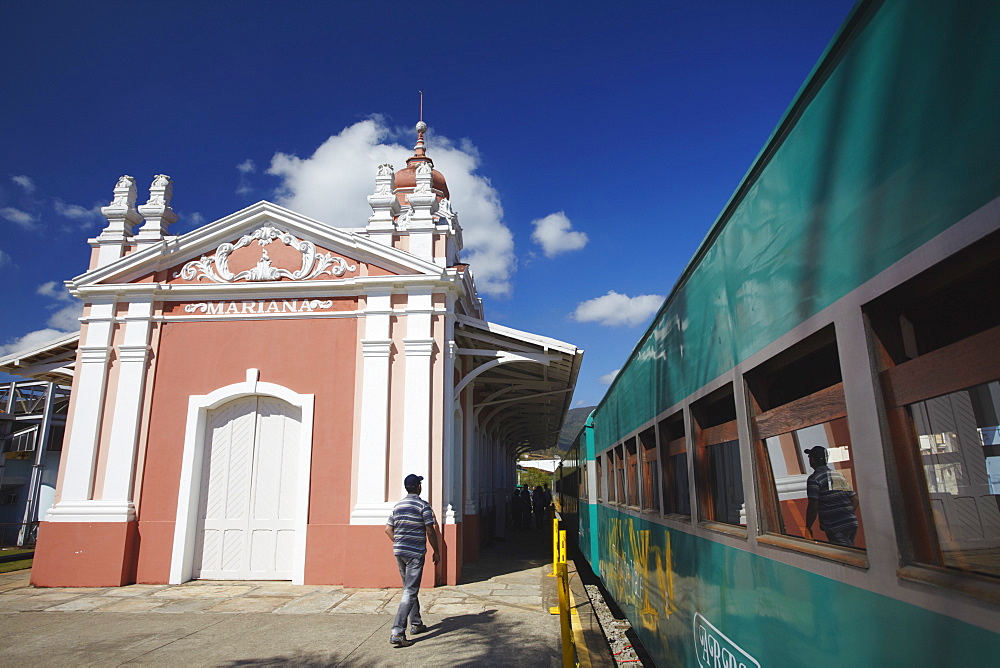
410,569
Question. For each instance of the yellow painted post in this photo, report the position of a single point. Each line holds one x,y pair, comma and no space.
555,546
565,629
562,546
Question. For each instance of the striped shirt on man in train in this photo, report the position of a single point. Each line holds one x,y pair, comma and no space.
831,498
410,527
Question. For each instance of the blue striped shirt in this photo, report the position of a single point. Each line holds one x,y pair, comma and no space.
409,520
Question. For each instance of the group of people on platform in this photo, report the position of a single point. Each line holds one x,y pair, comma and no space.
530,507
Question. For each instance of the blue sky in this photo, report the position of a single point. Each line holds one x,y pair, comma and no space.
588,147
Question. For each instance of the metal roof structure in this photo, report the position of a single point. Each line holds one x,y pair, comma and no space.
523,382
53,361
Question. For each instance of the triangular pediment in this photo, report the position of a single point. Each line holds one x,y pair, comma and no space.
264,243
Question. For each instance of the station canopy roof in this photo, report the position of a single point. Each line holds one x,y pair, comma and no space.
53,361
522,383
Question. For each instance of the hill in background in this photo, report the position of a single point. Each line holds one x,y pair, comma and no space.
572,426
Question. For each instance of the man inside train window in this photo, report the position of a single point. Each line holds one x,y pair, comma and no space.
832,498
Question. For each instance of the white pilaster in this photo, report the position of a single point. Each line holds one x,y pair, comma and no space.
371,506
451,414
418,347
88,413
133,356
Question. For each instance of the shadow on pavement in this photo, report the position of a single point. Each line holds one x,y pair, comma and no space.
460,640
522,550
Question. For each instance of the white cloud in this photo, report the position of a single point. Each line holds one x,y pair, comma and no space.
333,184
555,234
25,182
4,259
67,308
20,218
616,310
76,212
245,168
67,318
196,219
608,377
55,290
64,319
30,340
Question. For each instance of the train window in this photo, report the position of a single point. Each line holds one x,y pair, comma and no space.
937,349
674,466
600,477
610,477
717,461
650,472
620,474
633,472
805,463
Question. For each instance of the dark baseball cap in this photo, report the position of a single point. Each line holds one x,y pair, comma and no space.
412,480
817,450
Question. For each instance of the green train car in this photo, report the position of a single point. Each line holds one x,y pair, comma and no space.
799,464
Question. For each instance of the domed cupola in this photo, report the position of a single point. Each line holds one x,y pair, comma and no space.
406,178
411,209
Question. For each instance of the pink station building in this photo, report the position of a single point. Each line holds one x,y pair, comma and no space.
247,397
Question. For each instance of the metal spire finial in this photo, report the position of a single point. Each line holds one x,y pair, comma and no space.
420,149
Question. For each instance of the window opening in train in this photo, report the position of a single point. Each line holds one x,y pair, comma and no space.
674,466
620,493
632,484
937,349
650,472
717,462
805,463
600,477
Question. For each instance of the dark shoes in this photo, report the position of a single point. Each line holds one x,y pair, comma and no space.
400,641
418,628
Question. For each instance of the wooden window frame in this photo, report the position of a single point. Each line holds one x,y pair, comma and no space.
621,491
649,462
819,407
704,438
669,448
633,491
958,366
608,487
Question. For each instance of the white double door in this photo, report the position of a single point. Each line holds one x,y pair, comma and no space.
246,519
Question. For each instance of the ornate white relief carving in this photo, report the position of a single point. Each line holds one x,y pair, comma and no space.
445,209
160,191
124,193
403,222
216,268
384,179
423,177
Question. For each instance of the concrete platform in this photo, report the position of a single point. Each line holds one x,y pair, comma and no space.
498,616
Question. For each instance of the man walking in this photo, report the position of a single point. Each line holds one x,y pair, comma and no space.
411,525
